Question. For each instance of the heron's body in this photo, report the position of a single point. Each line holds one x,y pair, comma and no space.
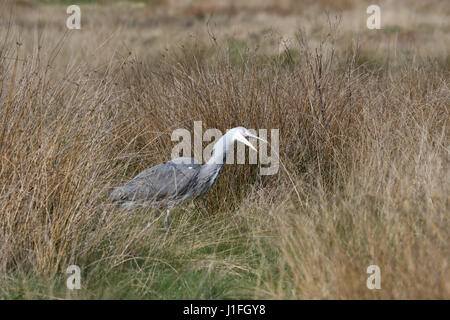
167,184
173,182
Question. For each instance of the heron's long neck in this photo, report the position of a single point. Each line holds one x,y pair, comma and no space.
211,169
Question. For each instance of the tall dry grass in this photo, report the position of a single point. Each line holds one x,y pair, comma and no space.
363,145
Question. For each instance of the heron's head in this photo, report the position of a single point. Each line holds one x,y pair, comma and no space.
236,134
227,142
239,134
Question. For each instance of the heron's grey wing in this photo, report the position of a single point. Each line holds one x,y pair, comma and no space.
185,160
168,180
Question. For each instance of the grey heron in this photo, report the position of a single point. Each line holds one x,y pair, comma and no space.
173,182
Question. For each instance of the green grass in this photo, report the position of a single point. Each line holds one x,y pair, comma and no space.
391,29
204,263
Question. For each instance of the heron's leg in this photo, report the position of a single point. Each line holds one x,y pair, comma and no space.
153,217
150,221
166,219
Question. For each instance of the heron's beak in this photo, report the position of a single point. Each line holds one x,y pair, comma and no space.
256,137
242,139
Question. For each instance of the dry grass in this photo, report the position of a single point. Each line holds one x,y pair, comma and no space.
363,119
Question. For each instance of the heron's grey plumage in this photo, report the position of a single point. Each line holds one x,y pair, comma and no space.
170,183
167,184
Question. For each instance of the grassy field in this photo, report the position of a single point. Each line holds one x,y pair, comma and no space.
364,146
